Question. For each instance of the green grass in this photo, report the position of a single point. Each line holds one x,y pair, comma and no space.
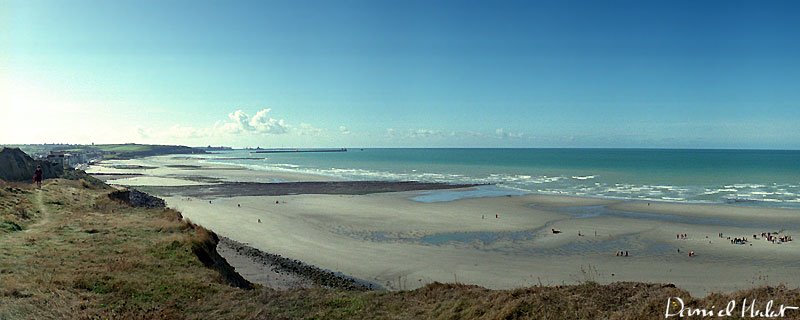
93,258
112,151
10,226
124,147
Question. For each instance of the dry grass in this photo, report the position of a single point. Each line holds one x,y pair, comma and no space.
99,259
16,210
457,301
94,258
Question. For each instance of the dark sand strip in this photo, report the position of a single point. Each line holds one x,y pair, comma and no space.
103,176
237,189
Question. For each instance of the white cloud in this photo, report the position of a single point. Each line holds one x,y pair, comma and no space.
344,130
424,133
306,129
262,123
184,132
240,122
502,134
434,136
227,127
143,133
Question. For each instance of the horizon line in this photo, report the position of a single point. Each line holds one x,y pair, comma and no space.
413,147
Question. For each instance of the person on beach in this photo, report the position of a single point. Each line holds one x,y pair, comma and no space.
37,177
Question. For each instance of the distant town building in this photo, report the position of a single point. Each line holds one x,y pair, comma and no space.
69,159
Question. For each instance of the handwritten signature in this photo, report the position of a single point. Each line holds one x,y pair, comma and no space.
676,308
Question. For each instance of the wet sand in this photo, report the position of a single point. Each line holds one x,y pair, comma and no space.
230,189
507,242
399,243
187,171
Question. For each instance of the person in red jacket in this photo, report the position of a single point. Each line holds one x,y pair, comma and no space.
37,176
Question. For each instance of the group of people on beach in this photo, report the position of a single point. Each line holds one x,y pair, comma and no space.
684,236
775,239
736,240
768,236
621,253
739,241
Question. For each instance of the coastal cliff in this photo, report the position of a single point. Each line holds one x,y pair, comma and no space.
81,254
16,165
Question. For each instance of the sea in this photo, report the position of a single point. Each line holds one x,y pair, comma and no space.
742,177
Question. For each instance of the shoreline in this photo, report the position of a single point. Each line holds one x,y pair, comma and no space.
240,189
503,253
500,242
140,173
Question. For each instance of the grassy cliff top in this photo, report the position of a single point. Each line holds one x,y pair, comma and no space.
143,150
76,254
111,151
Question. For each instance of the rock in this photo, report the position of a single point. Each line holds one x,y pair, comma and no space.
136,198
16,165
279,264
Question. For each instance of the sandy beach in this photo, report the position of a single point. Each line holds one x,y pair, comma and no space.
174,170
498,242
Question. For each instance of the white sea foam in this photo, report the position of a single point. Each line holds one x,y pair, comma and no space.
762,193
556,184
286,165
747,185
545,179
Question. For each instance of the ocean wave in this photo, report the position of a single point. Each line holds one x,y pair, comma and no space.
546,179
286,165
574,185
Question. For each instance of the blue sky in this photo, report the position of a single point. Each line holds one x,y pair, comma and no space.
696,74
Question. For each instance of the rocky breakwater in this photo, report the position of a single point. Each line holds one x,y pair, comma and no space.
319,277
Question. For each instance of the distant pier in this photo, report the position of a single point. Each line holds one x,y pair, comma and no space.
298,150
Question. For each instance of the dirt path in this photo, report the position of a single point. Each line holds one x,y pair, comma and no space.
38,201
